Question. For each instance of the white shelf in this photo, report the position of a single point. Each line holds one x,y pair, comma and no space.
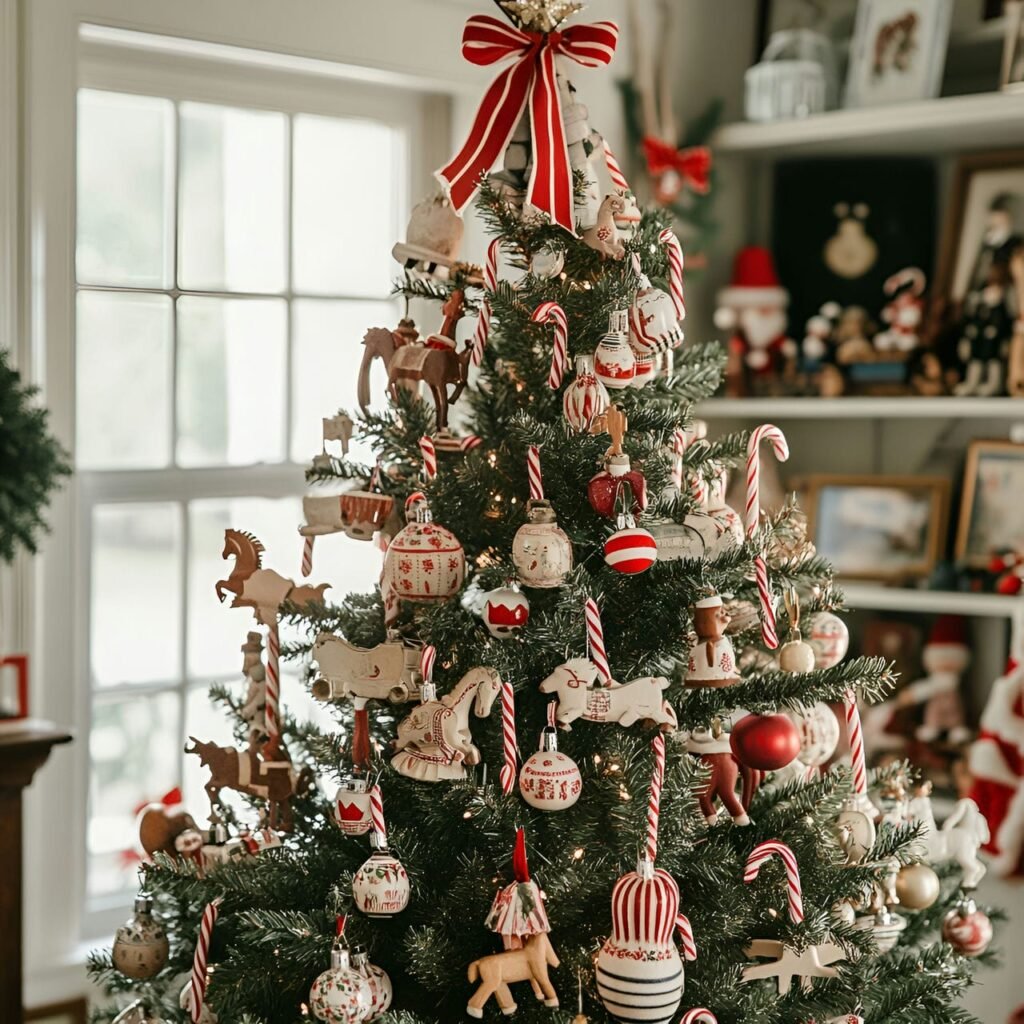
858,408
948,125
874,597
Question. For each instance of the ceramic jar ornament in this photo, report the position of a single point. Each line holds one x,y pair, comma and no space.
380,888
967,929
352,807
829,638
505,612
819,734
541,551
765,742
917,886
425,562
712,660
140,944
614,362
586,398
550,780
341,995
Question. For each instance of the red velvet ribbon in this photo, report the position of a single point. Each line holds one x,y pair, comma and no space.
529,80
693,164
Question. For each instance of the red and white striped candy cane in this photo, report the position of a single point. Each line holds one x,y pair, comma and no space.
595,640
271,716
772,848
377,815
674,251
510,745
752,517
197,982
614,170
856,736
307,556
678,450
469,442
700,1015
483,324
427,658
534,474
654,796
429,453
685,930
548,313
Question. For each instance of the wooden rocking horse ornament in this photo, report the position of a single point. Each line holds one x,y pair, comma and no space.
436,361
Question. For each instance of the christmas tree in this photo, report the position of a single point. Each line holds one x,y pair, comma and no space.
632,802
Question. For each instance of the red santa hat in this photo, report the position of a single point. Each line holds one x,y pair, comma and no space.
948,631
754,281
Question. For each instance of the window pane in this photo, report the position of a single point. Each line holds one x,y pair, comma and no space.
123,381
348,202
136,594
125,175
231,231
231,381
327,344
135,747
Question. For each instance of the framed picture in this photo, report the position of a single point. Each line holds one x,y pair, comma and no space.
13,687
993,495
887,528
898,51
985,223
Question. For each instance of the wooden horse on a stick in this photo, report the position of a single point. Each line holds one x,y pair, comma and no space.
495,972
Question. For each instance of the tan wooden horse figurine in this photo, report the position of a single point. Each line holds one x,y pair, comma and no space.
604,235
261,589
497,971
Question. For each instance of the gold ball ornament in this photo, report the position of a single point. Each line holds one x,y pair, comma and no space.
917,886
140,944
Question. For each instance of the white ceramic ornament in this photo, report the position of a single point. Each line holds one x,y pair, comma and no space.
352,807
819,734
586,398
341,995
885,927
653,324
961,836
639,972
389,671
381,990
614,362
547,263
712,659
646,369
424,562
541,551
855,831
505,611
829,638
795,655
140,944
710,532
550,780
380,888
627,220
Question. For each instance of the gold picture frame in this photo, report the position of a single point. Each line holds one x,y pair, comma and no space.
890,529
982,529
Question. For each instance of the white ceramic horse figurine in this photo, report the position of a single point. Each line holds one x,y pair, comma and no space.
959,839
434,742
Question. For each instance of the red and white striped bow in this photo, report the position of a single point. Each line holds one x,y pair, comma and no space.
530,80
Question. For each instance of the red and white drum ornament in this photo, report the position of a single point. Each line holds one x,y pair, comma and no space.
614,362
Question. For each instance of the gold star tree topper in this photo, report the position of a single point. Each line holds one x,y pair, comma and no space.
542,15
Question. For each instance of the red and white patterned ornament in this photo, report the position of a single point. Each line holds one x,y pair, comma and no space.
425,562
586,398
646,370
505,612
381,989
967,929
518,909
829,638
352,807
550,780
341,995
380,888
631,549
653,324
819,734
541,550
614,362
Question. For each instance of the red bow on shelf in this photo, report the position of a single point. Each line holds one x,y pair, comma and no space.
693,165
531,79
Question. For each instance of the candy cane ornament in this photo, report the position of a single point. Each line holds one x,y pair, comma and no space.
794,893
377,816
429,453
678,450
698,1016
198,979
483,324
614,170
654,797
856,736
552,313
752,517
595,641
510,746
534,474
271,715
674,252
427,658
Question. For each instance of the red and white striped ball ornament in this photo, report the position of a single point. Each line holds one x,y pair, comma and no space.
653,324
967,929
506,611
630,549
614,362
639,971
585,398
550,780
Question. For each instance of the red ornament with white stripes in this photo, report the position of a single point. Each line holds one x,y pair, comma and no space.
586,398
550,780
631,549
614,361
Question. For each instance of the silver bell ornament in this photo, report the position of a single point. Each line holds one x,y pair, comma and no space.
541,550
381,990
140,944
341,995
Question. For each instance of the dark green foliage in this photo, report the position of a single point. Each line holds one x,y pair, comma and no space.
31,463
456,839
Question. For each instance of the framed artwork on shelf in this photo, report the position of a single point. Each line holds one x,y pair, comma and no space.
993,495
898,51
885,528
14,688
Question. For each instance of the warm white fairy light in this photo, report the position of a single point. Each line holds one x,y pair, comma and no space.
577,854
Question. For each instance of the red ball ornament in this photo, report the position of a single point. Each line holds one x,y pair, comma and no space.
765,742
604,489
967,929
631,550
506,611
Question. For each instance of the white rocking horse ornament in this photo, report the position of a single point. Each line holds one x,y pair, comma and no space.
959,839
434,743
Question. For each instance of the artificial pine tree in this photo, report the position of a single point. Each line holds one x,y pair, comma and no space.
554,856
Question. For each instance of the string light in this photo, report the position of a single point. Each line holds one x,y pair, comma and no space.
577,854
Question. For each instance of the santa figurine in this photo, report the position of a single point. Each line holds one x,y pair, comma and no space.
753,307
712,660
945,658
903,312
996,761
